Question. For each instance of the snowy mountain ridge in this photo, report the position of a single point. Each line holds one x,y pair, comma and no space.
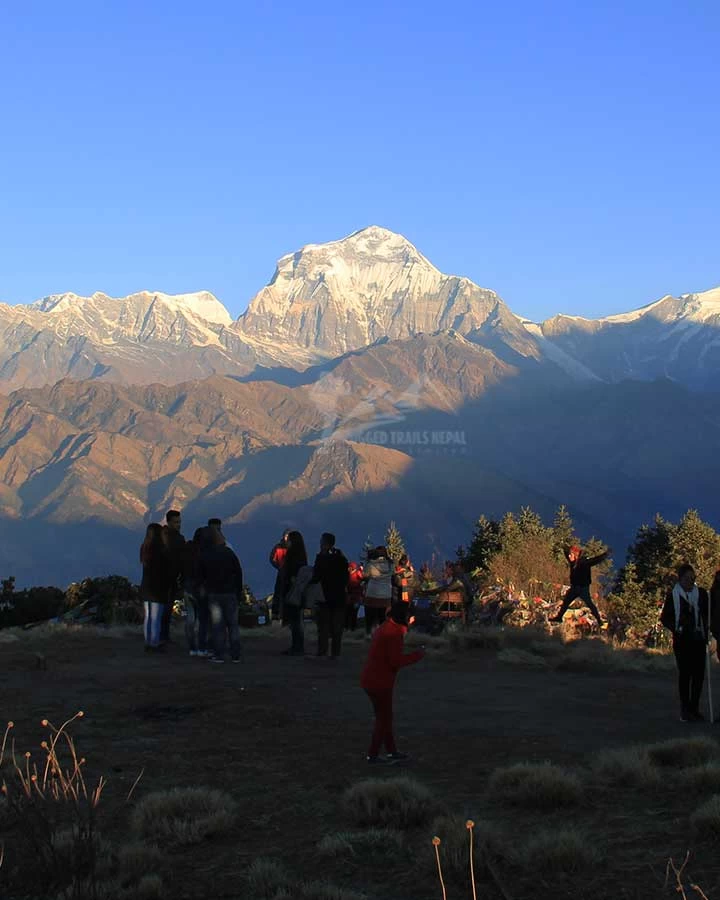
327,300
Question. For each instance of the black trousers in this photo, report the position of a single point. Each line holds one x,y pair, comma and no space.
374,616
165,621
351,617
330,621
579,592
690,658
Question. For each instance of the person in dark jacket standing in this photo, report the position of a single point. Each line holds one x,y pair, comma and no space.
222,577
580,581
155,584
385,659
685,614
196,601
331,572
175,544
292,615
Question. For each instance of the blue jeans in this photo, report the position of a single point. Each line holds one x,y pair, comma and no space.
153,622
224,619
198,614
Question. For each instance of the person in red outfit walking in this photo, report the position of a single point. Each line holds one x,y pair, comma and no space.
385,659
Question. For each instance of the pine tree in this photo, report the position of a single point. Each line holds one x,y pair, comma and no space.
694,541
563,532
631,603
510,535
484,545
651,552
394,542
530,523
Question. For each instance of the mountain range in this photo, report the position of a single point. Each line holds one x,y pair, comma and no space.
360,385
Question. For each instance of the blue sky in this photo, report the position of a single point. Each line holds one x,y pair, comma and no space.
564,154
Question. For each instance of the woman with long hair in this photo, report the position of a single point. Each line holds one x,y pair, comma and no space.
155,584
295,559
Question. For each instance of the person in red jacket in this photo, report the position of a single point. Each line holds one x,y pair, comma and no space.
385,659
355,596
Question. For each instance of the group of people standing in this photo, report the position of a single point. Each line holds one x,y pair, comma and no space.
337,589
206,573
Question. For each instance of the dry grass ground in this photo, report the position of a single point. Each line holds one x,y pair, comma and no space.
285,739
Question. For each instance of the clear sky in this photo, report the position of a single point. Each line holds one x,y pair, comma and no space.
565,154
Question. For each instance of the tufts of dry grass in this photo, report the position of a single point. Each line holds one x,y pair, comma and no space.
415,639
268,879
322,890
702,779
134,861
454,846
368,843
480,638
627,767
542,786
395,802
682,753
516,656
706,818
183,816
552,850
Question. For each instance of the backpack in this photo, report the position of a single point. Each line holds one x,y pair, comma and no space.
297,594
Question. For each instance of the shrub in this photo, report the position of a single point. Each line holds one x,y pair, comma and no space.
368,843
32,605
183,815
555,850
626,767
109,600
681,753
706,818
397,802
536,786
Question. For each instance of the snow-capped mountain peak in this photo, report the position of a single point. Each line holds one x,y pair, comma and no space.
202,304
350,293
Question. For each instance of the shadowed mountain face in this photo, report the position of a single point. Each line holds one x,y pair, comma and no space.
361,385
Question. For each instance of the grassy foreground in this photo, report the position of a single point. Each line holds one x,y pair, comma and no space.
568,779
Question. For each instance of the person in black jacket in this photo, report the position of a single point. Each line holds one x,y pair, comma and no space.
222,578
175,544
331,572
196,602
685,614
580,580
292,615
